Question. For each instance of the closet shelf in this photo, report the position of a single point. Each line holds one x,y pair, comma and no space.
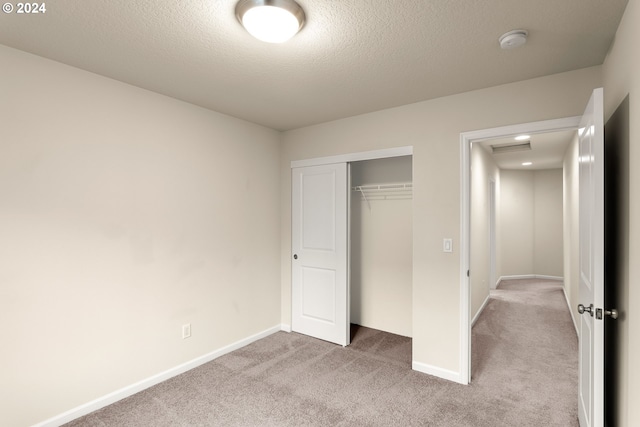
385,191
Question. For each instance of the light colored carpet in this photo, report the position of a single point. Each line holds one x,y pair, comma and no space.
524,373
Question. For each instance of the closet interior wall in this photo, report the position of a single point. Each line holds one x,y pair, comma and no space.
381,244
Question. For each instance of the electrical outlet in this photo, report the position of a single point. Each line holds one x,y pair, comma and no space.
186,330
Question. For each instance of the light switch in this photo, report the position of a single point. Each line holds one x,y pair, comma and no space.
447,245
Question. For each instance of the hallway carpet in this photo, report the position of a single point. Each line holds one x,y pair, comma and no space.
524,373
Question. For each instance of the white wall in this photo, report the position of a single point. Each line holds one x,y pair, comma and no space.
381,249
531,222
621,71
483,170
123,215
571,229
433,128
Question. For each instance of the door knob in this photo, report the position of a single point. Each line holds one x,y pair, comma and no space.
295,256
582,309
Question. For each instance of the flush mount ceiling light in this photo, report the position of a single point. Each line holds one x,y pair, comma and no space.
272,21
513,39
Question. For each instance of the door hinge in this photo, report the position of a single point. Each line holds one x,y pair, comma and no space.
468,273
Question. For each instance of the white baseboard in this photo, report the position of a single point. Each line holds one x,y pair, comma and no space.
285,328
516,277
573,319
542,276
438,372
117,395
477,315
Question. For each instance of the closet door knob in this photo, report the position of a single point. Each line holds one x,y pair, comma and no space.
295,256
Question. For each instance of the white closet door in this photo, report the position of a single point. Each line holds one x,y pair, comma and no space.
319,245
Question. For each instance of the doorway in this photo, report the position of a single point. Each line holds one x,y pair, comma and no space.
381,244
467,139
311,280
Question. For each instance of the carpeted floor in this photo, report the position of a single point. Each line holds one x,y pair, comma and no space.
524,373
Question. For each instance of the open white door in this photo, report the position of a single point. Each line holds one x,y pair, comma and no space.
591,287
319,243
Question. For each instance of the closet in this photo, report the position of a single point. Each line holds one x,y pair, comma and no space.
382,244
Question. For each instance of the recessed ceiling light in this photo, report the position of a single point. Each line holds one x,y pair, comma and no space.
526,163
512,39
522,137
272,21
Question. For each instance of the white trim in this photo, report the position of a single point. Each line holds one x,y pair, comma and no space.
542,276
285,328
465,260
573,319
354,157
466,138
545,126
516,277
127,391
484,304
349,199
438,372
493,256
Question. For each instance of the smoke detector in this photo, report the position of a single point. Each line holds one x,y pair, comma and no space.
513,39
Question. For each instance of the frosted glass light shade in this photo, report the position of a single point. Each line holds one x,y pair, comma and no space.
272,21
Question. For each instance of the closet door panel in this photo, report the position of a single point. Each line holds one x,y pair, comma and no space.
319,243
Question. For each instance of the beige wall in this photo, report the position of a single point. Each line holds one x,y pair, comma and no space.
483,171
119,221
382,171
547,215
517,223
433,128
571,229
531,223
381,249
621,72
123,215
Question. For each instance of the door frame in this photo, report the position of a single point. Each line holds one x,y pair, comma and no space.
466,139
492,234
348,158
354,157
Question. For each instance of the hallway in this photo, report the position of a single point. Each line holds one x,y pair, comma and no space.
525,349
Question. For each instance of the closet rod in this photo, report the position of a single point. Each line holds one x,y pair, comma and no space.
395,191
407,186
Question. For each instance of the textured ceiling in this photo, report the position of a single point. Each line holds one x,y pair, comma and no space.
352,56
